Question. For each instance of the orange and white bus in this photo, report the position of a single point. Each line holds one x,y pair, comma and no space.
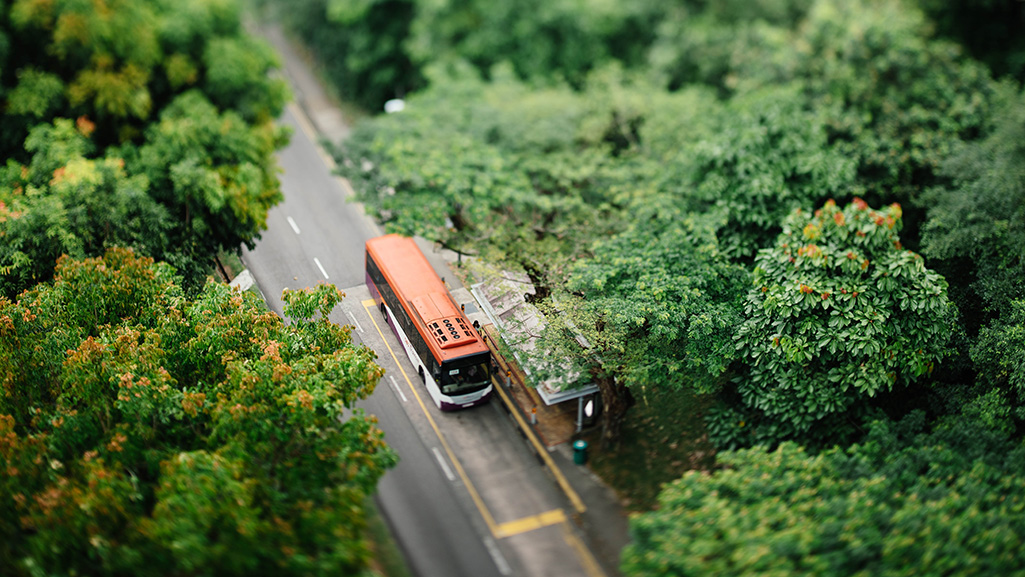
451,358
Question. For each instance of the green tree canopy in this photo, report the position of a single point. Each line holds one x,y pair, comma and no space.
361,44
526,175
999,356
653,307
976,228
213,172
119,63
747,112
374,50
768,156
146,433
897,98
975,235
67,203
146,124
540,40
945,502
988,29
889,98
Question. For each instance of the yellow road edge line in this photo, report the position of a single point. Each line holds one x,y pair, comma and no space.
307,127
477,500
574,498
304,123
367,303
590,563
349,191
527,524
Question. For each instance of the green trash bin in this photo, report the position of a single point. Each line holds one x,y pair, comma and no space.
580,452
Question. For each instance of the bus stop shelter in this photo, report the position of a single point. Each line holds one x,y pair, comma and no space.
502,302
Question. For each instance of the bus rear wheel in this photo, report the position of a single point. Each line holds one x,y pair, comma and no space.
423,379
384,311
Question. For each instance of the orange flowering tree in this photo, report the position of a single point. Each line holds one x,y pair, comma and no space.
839,310
145,433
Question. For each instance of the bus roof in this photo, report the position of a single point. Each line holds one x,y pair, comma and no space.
443,326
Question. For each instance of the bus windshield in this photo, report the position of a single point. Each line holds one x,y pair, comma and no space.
464,377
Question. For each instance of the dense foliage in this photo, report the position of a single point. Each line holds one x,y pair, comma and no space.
151,424
146,433
359,44
942,503
143,123
661,304
988,29
374,50
462,167
654,167
788,150
539,177
838,311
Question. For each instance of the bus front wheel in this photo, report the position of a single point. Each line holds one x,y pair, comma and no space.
423,379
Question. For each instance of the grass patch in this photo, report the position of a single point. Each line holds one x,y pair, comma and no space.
230,262
663,437
388,559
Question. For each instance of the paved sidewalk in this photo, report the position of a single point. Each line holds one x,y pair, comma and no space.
598,512
554,424
594,508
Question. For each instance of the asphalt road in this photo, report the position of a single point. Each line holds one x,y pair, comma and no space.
467,498
315,236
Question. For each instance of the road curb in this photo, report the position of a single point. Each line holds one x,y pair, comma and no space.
560,479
